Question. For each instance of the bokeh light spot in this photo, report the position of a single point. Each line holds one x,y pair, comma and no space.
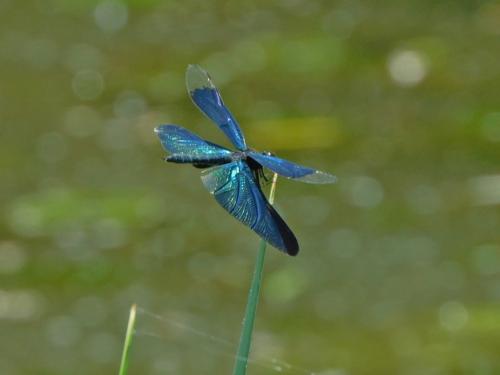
111,15
12,257
81,121
63,331
366,192
407,68
453,316
20,305
41,53
116,134
87,84
487,259
129,104
285,284
26,220
485,190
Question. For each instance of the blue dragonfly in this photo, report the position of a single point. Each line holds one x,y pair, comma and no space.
233,177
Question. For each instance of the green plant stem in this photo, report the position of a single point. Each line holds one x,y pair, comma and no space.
240,367
128,340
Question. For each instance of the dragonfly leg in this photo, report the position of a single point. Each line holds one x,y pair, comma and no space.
263,175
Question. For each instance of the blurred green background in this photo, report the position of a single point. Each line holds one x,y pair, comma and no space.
399,270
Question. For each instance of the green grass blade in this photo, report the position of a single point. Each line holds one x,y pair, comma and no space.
240,367
128,340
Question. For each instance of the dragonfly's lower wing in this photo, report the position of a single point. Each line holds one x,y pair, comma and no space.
236,190
288,169
187,147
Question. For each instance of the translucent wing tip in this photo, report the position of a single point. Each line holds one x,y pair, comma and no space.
164,128
318,177
197,77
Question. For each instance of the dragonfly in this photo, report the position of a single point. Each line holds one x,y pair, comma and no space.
234,177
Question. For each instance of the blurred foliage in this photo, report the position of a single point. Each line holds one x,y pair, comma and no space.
400,261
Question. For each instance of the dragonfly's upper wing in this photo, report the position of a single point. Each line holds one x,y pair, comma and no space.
208,99
291,170
236,190
189,148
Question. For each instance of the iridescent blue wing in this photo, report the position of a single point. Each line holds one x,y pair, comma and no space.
236,190
288,169
208,99
187,147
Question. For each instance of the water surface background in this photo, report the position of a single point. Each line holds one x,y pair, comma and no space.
399,269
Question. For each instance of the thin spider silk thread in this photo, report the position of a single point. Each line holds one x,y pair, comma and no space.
274,364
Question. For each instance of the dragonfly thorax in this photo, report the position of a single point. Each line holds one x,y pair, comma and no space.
239,155
242,155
